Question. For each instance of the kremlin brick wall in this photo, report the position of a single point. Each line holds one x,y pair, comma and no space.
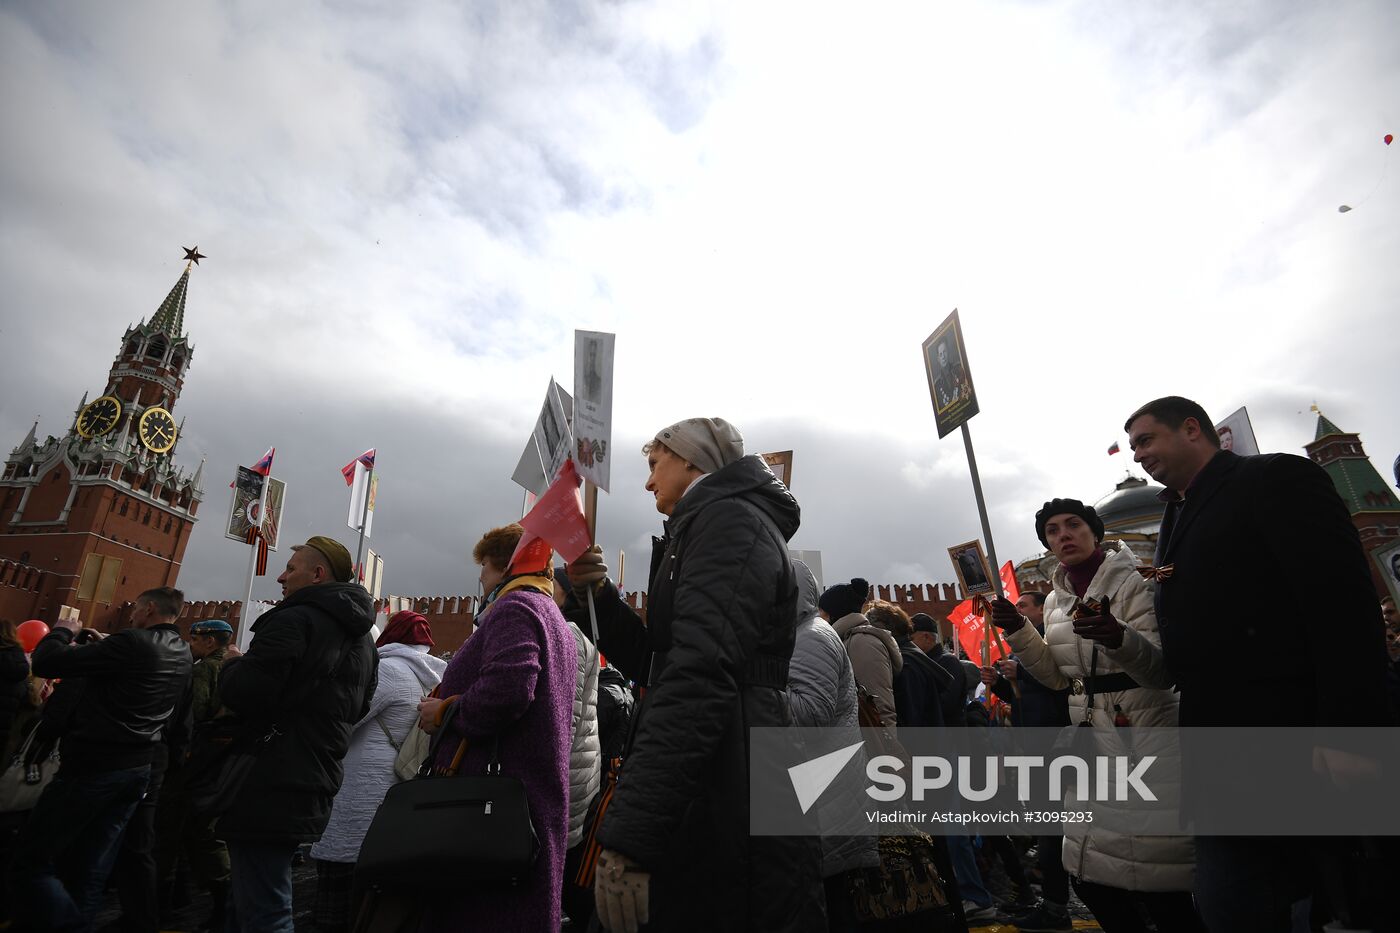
452,617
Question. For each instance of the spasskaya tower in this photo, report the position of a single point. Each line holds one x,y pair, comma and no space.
95,517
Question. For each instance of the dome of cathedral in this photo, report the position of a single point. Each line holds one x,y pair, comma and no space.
1132,506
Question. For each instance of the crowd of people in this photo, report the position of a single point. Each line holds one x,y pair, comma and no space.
187,763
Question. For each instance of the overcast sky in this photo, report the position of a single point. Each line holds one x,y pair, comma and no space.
407,212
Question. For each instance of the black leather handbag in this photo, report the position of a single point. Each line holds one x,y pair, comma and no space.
471,829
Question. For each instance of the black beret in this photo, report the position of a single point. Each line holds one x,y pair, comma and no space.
1067,507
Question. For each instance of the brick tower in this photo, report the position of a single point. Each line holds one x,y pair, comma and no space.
1374,509
91,519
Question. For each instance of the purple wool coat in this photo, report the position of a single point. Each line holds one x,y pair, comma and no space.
515,679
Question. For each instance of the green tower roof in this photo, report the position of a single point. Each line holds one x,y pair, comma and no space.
170,316
1355,479
1325,427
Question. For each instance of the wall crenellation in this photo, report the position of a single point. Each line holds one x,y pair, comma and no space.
452,617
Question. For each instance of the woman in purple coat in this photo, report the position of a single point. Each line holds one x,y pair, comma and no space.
514,683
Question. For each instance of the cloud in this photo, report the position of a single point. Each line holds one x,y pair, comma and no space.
409,211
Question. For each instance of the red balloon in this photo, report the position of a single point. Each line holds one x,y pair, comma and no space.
31,633
1388,139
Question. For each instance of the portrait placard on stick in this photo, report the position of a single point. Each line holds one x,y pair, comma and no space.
549,444
1237,434
970,564
949,379
1387,557
954,404
781,465
593,388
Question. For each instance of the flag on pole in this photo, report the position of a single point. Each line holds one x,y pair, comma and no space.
348,471
1113,448
1008,582
264,466
255,537
532,555
971,631
558,517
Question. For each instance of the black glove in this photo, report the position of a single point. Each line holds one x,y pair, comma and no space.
1005,616
1104,629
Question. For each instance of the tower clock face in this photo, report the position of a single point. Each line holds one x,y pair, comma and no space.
99,416
157,430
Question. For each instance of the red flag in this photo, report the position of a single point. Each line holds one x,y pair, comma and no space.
348,471
1008,582
532,555
255,537
970,629
557,517
1113,449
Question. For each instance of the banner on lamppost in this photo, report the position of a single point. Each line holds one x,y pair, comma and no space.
365,484
244,511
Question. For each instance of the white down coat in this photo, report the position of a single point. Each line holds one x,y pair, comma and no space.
1092,853
586,752
406,673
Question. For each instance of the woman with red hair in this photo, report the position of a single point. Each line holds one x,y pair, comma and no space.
514,681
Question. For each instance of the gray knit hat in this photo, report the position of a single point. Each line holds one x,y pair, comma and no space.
708,444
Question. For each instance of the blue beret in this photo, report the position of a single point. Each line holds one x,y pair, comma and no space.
210,626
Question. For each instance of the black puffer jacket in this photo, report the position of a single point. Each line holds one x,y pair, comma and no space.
311,670
720,627
122,691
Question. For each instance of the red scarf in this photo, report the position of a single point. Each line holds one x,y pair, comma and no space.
406,628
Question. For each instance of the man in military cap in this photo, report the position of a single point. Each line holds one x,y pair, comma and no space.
305,681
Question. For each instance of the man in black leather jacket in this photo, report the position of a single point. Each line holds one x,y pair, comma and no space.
130,683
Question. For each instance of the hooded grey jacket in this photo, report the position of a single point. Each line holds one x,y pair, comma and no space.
822,693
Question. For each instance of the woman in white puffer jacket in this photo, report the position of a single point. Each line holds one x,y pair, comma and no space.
407,671
1114,873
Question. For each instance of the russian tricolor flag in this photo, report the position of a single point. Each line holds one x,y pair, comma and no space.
348,471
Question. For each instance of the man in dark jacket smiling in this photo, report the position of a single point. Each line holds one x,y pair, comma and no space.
121,690
306,680
677,853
